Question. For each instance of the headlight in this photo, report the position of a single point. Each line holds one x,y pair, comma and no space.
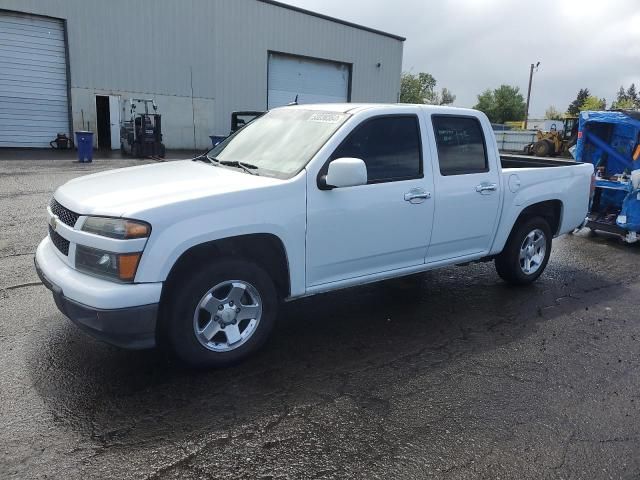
119,228
114,266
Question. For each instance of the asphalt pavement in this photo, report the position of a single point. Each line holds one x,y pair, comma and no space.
451,374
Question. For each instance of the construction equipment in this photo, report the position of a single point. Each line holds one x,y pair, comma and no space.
553,142
141,133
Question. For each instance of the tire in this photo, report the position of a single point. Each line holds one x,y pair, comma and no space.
136,150
246,315
542,148
526,269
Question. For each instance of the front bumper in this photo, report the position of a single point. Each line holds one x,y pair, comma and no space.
126,326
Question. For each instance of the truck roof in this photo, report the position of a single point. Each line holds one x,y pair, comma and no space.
358,107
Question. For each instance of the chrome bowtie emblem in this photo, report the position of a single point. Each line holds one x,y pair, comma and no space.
53,222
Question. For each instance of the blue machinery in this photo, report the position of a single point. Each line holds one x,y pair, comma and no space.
611,141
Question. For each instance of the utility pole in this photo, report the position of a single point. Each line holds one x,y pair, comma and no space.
526,115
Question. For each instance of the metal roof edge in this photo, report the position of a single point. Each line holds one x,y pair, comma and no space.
332,19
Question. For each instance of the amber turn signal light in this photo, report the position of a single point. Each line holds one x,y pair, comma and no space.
127,266
136,230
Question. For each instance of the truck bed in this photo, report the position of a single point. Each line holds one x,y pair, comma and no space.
525,161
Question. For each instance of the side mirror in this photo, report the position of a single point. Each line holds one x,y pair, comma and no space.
344,172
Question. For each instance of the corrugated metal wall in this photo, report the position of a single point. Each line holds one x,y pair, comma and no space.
151,47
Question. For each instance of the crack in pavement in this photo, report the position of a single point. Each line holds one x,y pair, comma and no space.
13,255
21,285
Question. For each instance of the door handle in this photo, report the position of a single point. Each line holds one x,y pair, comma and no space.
416,195
487,187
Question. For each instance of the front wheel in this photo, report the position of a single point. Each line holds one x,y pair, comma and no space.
542,148
221,314
526,254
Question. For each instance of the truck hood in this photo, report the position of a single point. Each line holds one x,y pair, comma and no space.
127,191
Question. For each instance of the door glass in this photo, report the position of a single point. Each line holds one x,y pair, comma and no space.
389,146
461,147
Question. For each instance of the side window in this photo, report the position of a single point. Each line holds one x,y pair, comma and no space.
389,146
461,147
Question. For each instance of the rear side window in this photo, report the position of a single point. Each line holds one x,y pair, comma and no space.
390,147
461,146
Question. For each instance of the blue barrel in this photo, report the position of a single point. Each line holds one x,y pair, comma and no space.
216,139
84,142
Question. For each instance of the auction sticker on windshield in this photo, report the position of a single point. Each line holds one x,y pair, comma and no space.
326,118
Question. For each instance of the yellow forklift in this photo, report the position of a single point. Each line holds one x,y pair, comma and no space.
555,143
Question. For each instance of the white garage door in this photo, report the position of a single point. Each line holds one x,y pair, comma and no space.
33,80
312,81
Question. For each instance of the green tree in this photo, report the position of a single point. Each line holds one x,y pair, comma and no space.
622,94
626,104
417,88
576,105
503,104
632,95
592,103
421,88
553,113
446,97
627,99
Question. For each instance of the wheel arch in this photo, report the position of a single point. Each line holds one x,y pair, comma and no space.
550,210
265,249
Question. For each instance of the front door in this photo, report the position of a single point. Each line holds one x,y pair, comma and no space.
114,121
467,193
382,226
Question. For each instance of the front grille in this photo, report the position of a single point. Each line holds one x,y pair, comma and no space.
61,243
65,215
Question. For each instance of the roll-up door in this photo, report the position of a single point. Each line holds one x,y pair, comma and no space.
310,80
33,80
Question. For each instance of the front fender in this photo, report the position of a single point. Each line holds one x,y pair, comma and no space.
279,215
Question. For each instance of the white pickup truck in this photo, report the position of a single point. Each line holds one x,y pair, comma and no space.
197,255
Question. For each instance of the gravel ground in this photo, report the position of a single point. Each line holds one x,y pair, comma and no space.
449,374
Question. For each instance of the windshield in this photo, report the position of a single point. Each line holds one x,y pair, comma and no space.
281,142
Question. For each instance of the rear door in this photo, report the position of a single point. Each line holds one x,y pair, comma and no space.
382,226
467,188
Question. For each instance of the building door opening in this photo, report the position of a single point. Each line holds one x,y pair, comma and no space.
108,121
103,122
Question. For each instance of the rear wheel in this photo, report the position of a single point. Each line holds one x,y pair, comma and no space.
221,314
526,254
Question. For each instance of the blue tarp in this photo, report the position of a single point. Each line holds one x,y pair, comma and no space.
629,217
612,147
591,148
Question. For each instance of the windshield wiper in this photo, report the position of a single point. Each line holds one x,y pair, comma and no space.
247,167
206,158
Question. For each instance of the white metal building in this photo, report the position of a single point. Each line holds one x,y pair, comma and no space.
66,65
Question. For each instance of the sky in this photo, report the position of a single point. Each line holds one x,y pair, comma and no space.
472,45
